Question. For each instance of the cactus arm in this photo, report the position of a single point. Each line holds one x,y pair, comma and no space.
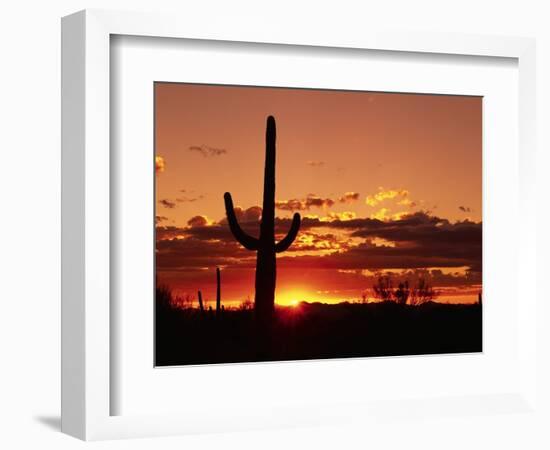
287,241
247,241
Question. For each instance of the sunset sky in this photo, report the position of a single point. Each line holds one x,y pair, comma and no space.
384,183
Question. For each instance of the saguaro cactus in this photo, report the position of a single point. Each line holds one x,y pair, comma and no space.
264,245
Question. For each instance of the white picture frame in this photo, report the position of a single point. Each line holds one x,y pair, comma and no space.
86,220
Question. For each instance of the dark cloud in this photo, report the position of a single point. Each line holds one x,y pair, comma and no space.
349,197
166,232
247,216
314,201
372,226
417,240
207,151
198,226
192,252
316,163
304,204
167,203
159,219
186,199
197,221
465,208
414,242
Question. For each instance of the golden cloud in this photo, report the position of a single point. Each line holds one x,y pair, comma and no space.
345,215
384,215
373,200
407,202
381,214
159,164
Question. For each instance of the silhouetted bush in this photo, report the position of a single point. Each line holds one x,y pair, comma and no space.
423,292
163,296
420,293
246,305
401,294
383,289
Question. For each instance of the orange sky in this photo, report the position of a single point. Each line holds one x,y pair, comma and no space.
386,182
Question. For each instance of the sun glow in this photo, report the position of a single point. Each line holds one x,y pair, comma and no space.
293,297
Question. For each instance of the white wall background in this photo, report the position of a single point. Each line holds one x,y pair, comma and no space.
30,199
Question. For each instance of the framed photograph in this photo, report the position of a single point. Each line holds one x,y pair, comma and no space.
323,269
253,217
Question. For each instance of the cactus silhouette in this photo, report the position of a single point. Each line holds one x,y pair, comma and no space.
218,291
201,304
264,245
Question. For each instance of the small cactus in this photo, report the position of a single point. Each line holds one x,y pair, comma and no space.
219,306
201,304
218,291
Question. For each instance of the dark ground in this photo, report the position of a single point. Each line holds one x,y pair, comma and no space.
316,331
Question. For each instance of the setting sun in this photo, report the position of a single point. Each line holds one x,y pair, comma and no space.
293,297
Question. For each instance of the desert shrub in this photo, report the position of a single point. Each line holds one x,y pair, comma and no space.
403,294
422,292
246,305
383,289
182,302
163,296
